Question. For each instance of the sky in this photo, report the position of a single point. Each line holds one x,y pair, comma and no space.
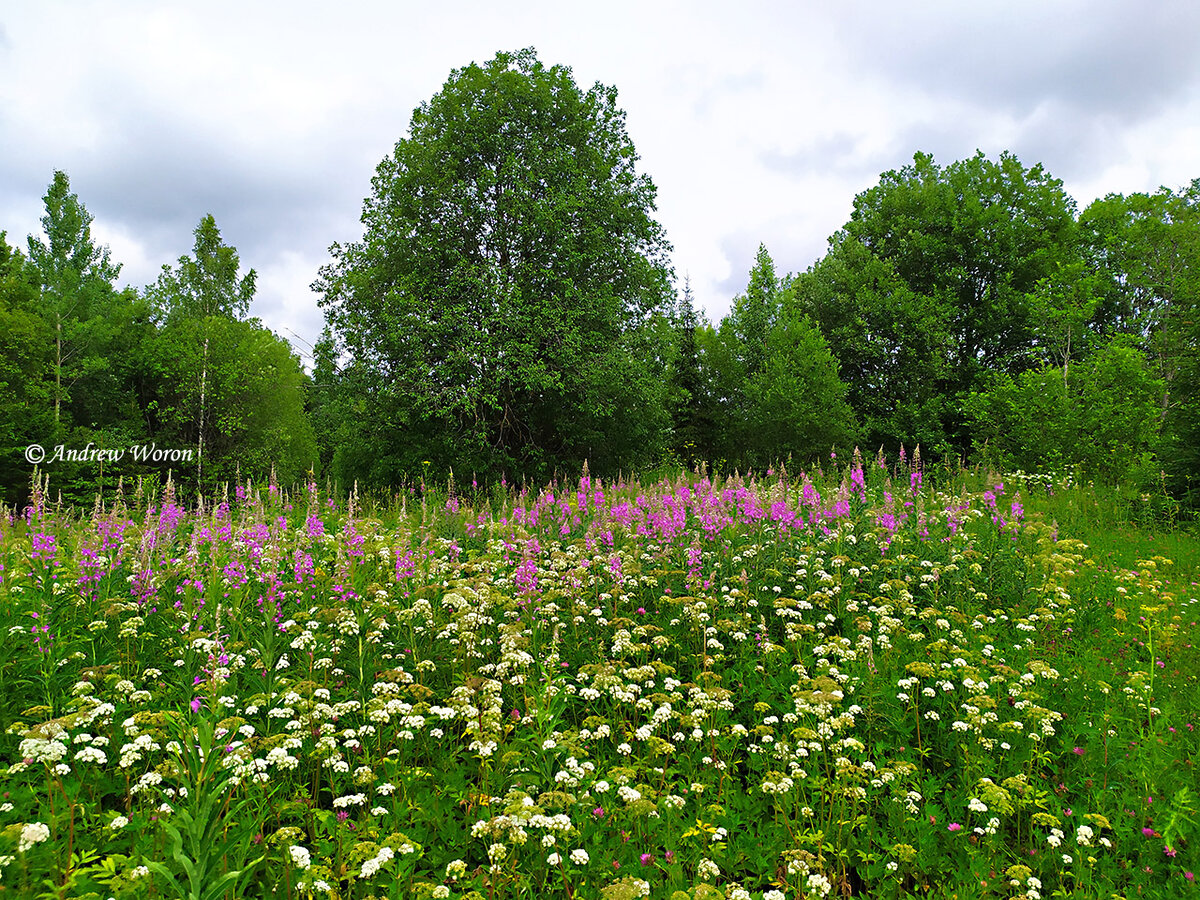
758,124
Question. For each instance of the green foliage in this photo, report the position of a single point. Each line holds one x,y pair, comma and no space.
206,283
228,387
754,314
797,402
1103,420
244,386
1146,250
509,253
774,382
891,343
935,294
26,388
692,421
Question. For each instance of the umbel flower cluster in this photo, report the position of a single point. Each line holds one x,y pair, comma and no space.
854,680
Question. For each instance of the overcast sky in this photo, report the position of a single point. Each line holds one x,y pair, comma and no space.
756,125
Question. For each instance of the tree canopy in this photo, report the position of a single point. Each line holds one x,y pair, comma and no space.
509,259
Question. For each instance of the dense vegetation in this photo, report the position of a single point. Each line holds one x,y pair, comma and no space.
851,681
510,311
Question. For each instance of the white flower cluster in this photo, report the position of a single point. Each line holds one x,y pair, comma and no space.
375,863
39,749
33,833
777,783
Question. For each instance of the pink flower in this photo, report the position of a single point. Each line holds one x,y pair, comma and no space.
954,826
195,704
647,858
1149,832
1170,851
1078,751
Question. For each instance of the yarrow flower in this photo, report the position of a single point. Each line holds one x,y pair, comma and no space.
33,833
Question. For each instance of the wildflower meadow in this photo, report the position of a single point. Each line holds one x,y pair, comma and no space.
861,680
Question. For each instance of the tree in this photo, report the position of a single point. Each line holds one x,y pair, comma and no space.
1146,251
509,253
754,313
1102,420
892,343
797,401
963,247
26,388
203,290
229,386
691,415
252,391
1061,306
75,277
206,283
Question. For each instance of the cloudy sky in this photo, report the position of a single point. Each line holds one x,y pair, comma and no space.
758,125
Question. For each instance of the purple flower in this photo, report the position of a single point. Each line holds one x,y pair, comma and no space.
195,704
954,826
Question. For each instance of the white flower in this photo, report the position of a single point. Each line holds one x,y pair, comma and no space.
300,856
33,833
579,856
628,794
118,823
553,859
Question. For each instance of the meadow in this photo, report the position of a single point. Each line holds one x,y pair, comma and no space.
862,680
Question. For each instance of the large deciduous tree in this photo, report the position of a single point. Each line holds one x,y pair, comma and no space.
509,260
951,258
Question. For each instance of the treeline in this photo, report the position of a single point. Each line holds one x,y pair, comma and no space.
89,372
510,311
